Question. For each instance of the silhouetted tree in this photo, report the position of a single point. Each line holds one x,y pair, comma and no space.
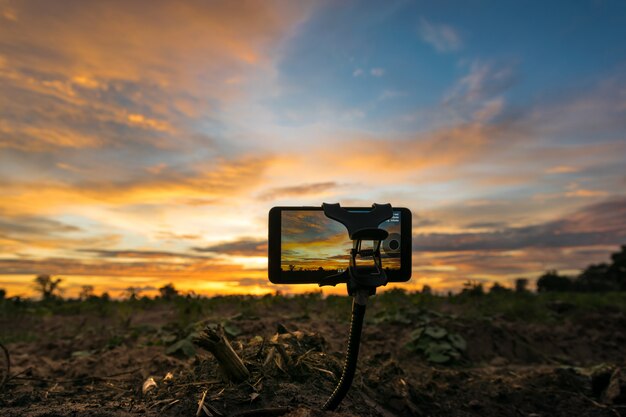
473,288
617,269
86,292
426,289
552,281
496,288
291,268
105,296
168,291
3,294
596,278
521,285
47,286
603,276
132,292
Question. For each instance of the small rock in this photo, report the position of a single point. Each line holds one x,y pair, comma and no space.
499,361
475,404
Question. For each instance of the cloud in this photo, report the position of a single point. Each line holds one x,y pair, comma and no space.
358,72
420,221
316,189
451,269
252,282
171,236
377,72
146,269
561,169
121,40
590,115
21,234
243,247
489,109
199,186
586,193
443,38
446,146
600,224
139,254
391,94
478,93
486,225
34,226
120,86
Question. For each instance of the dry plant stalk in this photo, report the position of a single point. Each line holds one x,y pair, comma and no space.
4,376
214,340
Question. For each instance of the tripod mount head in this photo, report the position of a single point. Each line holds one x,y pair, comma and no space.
362,226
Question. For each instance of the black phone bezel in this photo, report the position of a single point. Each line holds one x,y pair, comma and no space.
274,244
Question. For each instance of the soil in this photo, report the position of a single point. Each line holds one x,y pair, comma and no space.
100,363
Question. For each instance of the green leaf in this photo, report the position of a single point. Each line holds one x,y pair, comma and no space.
169,338
442,346
401,318
457,341
232,330
435,332
417,333
454,355
423,343
182,347
382,317
437,357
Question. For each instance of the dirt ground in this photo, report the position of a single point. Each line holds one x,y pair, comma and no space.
140,360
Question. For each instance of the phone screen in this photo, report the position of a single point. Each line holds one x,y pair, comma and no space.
310,246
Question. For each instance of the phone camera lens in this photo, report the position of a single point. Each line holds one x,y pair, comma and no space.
391,245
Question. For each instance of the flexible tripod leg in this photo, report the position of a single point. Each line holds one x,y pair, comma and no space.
352,354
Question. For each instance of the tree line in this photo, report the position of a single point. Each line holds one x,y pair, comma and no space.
49,289
595,278
602,277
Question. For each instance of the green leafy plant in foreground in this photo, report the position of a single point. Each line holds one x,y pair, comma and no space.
436,344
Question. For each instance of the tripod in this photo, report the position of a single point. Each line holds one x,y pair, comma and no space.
362,280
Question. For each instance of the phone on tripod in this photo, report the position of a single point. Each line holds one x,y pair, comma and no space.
306,247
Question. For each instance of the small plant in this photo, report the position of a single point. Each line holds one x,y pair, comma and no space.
436,344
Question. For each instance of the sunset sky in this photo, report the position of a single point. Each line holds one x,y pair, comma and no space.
144,142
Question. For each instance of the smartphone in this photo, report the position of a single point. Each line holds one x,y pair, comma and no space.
305,246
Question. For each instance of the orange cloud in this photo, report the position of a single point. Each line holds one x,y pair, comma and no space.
561,169
79,75
225,179
586,193
159,40
319,188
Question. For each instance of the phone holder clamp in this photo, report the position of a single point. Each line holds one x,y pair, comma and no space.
362,226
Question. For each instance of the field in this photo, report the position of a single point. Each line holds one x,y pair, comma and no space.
465,355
